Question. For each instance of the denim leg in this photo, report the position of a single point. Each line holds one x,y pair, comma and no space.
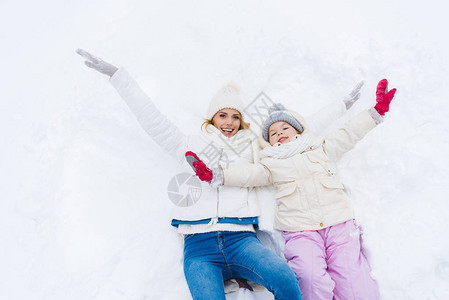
249,259
204,266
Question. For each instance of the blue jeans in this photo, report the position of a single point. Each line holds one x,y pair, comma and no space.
213,257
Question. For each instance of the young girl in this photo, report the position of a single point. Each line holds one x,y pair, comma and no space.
217,223
322,240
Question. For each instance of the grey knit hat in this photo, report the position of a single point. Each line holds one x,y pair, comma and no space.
276,113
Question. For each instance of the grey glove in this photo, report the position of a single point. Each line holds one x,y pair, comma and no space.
217,179
97,63
353,96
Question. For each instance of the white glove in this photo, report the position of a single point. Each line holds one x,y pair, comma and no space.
97,63
353,96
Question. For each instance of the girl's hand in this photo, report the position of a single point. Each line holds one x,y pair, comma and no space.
383,97
200,168
97,63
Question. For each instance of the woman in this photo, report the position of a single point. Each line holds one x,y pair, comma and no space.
218,223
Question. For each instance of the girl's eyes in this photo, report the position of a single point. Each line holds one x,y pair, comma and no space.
273,134
222,115
236,117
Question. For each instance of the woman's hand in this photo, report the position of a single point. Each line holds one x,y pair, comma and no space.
97,63
383,97
353,96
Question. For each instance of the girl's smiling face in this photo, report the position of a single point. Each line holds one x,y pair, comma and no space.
281,132
227,120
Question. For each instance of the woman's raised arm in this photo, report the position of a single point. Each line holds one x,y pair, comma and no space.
158,127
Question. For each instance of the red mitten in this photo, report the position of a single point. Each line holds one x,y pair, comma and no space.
200,168
383,97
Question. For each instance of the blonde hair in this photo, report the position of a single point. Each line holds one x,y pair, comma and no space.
207,122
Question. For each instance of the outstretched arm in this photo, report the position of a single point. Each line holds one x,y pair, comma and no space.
242,175
322,119
158,127
247,175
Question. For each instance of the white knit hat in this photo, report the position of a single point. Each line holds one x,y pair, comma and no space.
226,97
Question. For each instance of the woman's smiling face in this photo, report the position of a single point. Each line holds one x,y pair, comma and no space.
227,120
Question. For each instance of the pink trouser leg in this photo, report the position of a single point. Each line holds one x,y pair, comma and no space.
330,263
306,255
347,265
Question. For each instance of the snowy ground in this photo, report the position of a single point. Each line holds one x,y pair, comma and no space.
84,212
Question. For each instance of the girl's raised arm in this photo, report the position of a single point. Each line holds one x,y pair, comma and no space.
344,139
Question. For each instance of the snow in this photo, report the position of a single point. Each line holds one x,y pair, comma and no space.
84,211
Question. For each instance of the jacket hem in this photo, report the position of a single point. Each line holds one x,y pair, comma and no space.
225,220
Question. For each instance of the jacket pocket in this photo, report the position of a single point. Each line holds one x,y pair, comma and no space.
331,183
285,189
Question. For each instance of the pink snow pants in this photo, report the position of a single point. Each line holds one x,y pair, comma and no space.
330,263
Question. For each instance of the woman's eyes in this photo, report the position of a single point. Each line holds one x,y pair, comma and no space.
274,133
224,116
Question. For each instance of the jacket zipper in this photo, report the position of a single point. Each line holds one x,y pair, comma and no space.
214,220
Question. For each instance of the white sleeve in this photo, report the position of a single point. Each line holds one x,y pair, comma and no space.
158,127
345,138
322,119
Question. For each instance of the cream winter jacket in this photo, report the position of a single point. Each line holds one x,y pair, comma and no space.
310,196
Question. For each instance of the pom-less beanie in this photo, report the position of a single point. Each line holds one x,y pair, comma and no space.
226,97
276,113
